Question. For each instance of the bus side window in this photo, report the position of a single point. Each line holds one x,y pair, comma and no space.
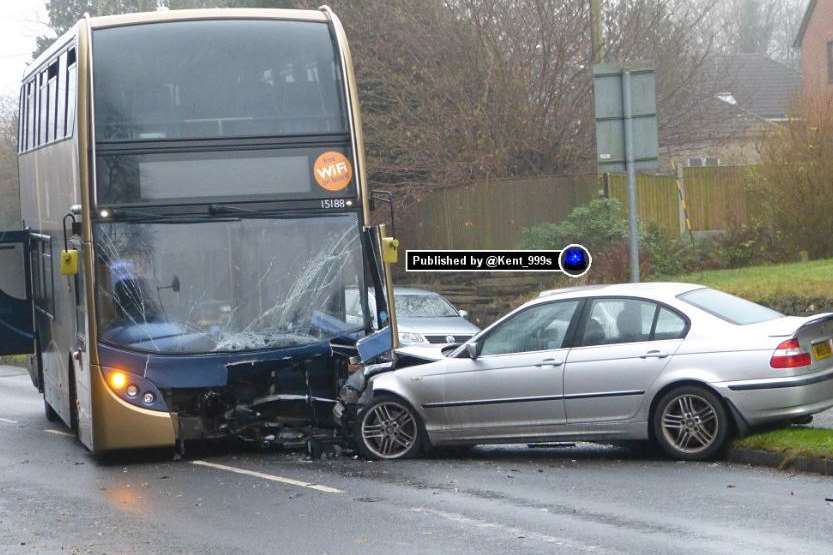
43,107
21,119
61,98
70,95
30,115
35,107
52,102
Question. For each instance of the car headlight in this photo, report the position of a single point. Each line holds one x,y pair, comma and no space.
410,338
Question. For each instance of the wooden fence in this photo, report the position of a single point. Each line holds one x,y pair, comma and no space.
493,214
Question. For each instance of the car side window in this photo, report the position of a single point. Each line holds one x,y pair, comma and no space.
670,325
539,328
618,321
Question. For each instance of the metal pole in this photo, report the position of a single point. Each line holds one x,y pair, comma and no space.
633,224
596,31
681,209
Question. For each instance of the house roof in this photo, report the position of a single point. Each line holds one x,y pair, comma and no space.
739,94
761,86
808,14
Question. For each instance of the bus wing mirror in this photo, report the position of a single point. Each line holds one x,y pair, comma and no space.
175,284
69,262
375,344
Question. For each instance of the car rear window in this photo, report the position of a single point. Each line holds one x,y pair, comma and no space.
728,307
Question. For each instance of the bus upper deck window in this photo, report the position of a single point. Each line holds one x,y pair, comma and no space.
197,79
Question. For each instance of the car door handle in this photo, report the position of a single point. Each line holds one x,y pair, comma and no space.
655,354
550,362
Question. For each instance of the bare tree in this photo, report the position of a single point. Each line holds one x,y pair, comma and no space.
767,27
676,38
796,176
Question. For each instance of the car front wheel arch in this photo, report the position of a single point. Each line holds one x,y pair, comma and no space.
394,402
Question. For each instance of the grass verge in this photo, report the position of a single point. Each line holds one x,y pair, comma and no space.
792,442
812,279
14,360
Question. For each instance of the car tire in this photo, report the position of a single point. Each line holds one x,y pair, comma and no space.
690,423
388,429
49,412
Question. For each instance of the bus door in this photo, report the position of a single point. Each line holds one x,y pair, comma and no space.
17,334
81,387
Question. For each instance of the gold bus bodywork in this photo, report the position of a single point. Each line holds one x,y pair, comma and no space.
105,422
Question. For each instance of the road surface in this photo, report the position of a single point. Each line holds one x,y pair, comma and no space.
56,498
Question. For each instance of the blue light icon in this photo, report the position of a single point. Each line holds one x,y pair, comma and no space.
575,260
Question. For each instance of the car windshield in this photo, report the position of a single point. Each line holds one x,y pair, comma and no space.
423,306
408,305
228,285
728,307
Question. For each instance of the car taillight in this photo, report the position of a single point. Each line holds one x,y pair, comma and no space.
788,354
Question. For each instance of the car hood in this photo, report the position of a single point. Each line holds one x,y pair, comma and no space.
422,352
450,325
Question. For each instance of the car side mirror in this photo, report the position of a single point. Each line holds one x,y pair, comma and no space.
473,349
463,313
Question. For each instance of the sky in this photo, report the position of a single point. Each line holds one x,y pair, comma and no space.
21,22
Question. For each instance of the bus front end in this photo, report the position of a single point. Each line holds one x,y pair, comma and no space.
231,258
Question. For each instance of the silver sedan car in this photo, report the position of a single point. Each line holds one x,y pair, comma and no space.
681,365
427,318
424,318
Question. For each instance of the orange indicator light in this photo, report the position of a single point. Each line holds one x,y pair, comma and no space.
118,380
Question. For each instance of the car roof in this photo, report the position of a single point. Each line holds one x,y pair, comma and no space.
402,290
652,290
413,291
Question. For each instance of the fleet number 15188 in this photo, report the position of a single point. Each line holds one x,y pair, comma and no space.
333,203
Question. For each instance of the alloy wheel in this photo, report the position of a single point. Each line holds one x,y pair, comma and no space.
389,430
690,423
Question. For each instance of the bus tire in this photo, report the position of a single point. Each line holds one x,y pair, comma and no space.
49,412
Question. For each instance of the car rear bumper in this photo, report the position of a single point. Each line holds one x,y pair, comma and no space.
770,400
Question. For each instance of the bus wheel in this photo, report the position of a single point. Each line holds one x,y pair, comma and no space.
49,412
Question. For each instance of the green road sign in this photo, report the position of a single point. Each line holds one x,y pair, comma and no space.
609,96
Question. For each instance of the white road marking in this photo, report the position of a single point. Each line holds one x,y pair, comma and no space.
505,530
59,433
270,477
8,421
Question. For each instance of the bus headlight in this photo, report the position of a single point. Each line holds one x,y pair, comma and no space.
134,389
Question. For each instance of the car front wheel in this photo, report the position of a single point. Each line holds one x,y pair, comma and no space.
388,429
690,423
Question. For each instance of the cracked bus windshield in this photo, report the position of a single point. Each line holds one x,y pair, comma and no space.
225,285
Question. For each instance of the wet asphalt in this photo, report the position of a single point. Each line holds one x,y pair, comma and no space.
56,498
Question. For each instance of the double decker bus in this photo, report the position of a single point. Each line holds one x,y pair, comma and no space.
196,221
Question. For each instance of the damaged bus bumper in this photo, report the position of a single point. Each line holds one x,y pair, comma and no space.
278,397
